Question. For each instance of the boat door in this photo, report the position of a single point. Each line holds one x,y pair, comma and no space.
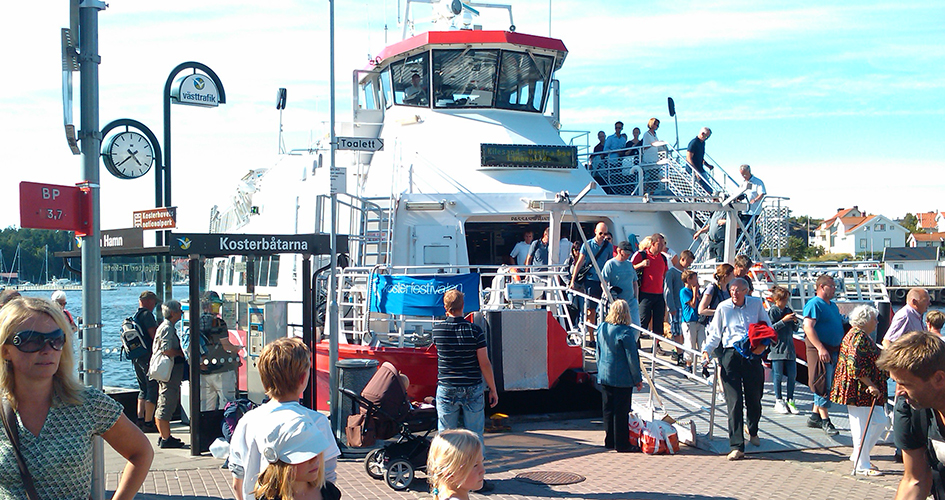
434,245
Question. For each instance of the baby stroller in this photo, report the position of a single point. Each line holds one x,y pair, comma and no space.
386,412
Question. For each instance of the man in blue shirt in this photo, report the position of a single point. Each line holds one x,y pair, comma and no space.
621,277
741,376
616,141
602,249
823,329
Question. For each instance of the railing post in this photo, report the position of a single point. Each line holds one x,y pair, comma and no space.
715,381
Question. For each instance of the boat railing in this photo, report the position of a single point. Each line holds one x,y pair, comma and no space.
360,325
368,223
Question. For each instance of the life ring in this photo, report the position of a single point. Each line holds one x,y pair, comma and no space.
759,272
900,294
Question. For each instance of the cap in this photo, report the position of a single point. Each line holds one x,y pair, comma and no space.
212,297
625,246
295,440
58,295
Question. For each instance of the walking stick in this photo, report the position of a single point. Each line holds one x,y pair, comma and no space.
866,427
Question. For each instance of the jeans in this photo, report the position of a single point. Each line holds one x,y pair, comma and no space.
470,400
783,368
824,402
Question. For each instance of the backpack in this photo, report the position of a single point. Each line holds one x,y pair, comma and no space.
232,413
134,342
717,299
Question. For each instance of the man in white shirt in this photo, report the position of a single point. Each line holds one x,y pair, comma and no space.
741,377
520,250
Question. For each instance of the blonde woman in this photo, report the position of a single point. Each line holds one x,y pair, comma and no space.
454,465
618,372
295,450
55,415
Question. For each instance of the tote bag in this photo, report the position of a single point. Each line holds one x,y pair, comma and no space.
160,367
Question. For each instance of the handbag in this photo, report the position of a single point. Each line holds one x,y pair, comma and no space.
160,367
10,424
585,270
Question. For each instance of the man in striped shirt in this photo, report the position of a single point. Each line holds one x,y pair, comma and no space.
462,366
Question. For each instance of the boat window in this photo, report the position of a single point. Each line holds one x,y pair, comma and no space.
386,88
411,81
231,267
262,271
523,80
368,97
464,78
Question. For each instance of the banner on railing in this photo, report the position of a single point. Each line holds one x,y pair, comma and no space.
421,295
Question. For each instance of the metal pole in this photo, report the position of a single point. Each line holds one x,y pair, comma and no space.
91,139
332,318
194,310
309,398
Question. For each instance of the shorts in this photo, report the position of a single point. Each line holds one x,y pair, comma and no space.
147,388
594,288
169,393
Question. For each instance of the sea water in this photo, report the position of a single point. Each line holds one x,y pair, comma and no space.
117,305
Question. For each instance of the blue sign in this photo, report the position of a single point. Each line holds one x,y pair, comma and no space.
422,295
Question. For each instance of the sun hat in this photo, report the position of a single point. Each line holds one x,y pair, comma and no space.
294,441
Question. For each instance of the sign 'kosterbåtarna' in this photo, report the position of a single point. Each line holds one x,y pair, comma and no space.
251,244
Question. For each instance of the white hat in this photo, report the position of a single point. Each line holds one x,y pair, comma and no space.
294,441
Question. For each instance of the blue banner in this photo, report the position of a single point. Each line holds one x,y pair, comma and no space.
422,295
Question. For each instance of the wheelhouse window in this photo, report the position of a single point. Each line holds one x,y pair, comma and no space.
411,81
523,81
464,78
386,88
368,96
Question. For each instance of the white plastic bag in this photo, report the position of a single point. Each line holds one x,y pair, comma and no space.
220,448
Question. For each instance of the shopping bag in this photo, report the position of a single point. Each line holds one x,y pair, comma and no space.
160,367
659,438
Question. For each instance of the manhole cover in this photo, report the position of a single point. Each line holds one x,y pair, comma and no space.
550,478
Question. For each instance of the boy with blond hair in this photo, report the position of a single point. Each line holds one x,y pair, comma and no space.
284,369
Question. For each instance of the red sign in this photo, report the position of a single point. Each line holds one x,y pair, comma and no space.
156,218
49,206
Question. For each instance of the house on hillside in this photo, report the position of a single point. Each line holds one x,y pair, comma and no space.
913,266
926,240
854,232
931,222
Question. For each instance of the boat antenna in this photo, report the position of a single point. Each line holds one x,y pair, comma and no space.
672,112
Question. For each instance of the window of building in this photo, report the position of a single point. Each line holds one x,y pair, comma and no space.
464,78
879,227
887,242
862,243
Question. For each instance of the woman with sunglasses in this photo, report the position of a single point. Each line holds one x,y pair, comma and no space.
55,415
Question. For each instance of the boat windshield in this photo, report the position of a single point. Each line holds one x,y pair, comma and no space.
464,78
411,81
523,80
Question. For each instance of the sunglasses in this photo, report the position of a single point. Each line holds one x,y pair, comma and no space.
29,341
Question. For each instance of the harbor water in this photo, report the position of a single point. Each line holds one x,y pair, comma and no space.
117,305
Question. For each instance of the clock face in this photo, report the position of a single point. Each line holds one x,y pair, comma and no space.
128,155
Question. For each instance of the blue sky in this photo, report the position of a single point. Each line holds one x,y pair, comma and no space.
832,105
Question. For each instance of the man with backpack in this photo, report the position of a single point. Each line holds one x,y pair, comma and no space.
219,358
584,273
652,274
144,321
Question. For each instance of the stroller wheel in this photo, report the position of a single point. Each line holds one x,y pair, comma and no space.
374,463
399,474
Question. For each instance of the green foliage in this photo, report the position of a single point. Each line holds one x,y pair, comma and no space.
831,257
911,222
33,247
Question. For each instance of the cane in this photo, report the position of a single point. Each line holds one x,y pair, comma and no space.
866,427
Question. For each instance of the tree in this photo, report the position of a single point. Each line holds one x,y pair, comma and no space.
796,248
911,222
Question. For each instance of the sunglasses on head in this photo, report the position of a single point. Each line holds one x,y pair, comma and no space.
30,341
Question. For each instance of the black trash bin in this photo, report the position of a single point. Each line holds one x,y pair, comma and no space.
353,375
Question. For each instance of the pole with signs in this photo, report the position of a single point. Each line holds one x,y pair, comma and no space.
91,142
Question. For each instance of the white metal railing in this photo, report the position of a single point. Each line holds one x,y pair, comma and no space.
360,325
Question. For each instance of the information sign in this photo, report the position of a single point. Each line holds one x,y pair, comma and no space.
156,218
360,143
50,206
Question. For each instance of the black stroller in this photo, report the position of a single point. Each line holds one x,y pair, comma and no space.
386,412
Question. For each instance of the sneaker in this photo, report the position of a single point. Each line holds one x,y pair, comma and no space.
148,427
815,422
486,487
793,407
781,408
736,455
170,442
829,429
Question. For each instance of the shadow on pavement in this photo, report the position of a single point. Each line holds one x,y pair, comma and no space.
521,488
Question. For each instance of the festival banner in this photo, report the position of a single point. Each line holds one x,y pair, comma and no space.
421,295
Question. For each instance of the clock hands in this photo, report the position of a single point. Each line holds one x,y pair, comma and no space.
133,153
122,161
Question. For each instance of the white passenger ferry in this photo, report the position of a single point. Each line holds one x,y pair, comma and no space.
474,154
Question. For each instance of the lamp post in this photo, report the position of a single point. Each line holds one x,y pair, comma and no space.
195,89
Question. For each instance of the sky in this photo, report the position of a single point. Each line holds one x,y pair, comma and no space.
833,104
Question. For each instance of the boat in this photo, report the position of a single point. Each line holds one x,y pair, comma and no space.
474,154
